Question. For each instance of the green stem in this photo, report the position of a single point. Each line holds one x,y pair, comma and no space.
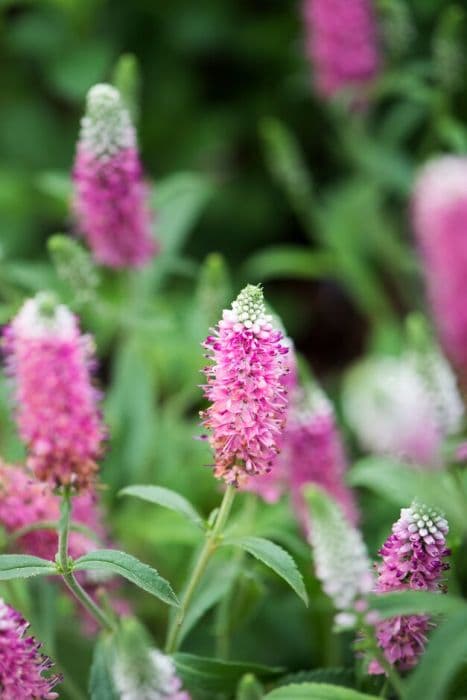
52,525
222,624
391,673
209,547
88,603
64,529
66,565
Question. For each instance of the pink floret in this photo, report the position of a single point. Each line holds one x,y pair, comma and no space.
341,43
111,207
21,663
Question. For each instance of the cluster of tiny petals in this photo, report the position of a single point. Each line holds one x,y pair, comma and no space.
248,400
57,413
22,666
439,216
341,560
413,559
160,682
111,198
341,43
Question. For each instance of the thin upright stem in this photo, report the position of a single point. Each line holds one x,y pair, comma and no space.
66,565
64,529
209,547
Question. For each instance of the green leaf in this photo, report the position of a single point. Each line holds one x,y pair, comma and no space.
55,184
126,78
316,691
416,602
215,585
178,201
275,558
166,498
23,566
130,568
401,483
337,676
212,675
249,688
292,262
446,652
101,685
74,266
287,164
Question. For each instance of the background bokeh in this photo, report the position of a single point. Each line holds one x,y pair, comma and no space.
309,198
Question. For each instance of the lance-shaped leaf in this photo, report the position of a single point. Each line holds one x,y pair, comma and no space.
275,558
166,498
445,654
101,686
316,691
23,566
416,603
130,568
212,675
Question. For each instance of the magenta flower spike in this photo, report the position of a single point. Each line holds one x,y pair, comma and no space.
341,43
22,666
413,559
110,197
439,215
56,403
244,387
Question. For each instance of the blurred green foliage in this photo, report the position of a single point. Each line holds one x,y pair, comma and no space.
254,179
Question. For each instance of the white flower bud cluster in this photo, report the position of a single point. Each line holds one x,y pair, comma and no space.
106,127
158,682
43,317
340,555
249,310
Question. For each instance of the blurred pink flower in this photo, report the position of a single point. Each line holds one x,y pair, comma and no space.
21,663
56,403
341,43
312,452
439,213
412,560
315,455
111,199
25,501
248,400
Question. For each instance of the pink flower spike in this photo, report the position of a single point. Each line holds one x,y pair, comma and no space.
244,386
314,450
412,560
56,404
439,215
341,43
110,198
272,485
21,663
